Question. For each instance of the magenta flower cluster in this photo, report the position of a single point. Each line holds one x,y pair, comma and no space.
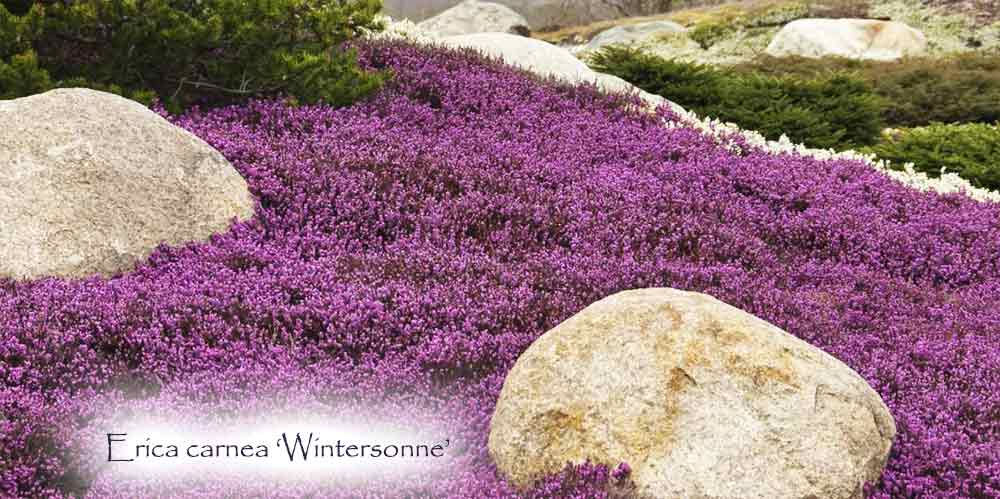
406,249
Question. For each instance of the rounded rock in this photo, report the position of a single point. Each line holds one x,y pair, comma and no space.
473,16
539,13
864,39
93,182
701,399
632,33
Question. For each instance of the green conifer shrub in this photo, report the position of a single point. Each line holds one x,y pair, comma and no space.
961,88
830,110
971,150
206,52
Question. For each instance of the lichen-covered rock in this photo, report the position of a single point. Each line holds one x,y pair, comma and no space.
91,183
633,33
473,16
851,38
539,13
701,399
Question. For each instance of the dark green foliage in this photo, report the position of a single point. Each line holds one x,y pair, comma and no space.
19,71
17,7
708,33
20,76
957,89
190,52
831,110
926,91
689,84
971,150
798,66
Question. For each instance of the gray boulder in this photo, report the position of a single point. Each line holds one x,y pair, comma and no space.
473,16
633,33
91,183
539,13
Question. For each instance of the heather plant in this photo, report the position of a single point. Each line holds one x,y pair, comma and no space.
407,248
972,150
831,110
208,53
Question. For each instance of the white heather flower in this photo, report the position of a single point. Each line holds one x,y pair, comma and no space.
947,183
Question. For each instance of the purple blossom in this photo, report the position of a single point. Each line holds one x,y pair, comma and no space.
407,249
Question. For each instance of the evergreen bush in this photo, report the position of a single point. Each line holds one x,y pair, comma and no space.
689,84
961,88
830,110
835,110
188,52
19,71
971,150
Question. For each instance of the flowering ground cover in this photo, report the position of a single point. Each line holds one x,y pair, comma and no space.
408,248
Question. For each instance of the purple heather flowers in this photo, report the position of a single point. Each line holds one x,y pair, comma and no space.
406,249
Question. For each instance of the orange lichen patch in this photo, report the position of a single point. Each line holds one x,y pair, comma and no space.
874,29
565,440
663,349
725,336
558,422
695,354
660,435
671,313
679,381
762,375
565,348
570,437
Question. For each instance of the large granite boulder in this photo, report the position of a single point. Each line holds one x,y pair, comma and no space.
536,56
473,16
633,33
91,183
701,399
545,59
539,13
851,38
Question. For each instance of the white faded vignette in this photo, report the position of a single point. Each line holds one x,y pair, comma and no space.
308,449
